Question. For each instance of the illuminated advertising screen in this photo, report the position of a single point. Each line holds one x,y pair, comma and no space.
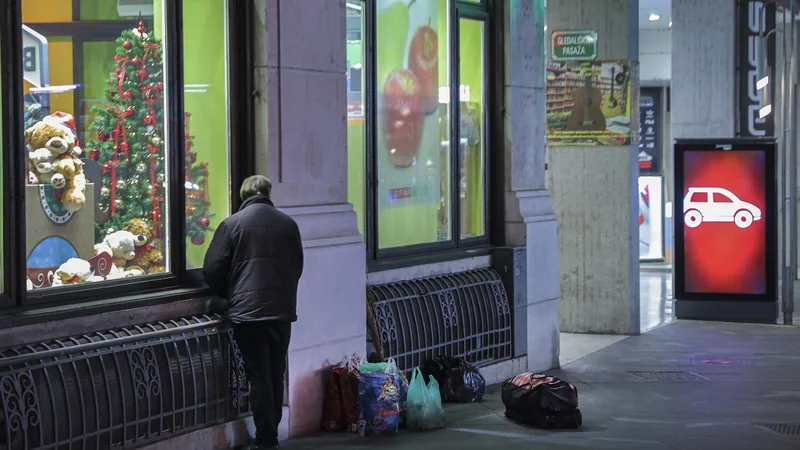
725,220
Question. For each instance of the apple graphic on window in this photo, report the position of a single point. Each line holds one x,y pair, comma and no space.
423,60
402,117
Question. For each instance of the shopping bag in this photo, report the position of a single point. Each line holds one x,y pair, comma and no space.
378,403
543,401
424,405
340,403
459,380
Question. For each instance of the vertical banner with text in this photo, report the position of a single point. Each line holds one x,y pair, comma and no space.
754,21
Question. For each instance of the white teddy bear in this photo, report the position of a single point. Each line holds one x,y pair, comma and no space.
122,245
42,159
74,271
115,272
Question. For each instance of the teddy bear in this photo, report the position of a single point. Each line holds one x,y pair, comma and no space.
122,245
74,271
148,258
115,272
54,158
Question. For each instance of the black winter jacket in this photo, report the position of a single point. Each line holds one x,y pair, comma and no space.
255,260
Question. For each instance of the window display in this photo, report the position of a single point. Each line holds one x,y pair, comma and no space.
356,130
413,145
95,209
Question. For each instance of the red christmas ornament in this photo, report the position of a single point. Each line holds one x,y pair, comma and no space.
123,146
135,61
106,168
94,154
143,74
102,136
116,133
127,95
204,222
117,71
149,120
190,210
198,239
127,45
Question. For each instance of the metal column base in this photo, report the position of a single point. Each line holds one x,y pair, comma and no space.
727,311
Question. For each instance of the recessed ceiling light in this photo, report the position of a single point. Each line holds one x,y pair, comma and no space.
653,17
670,23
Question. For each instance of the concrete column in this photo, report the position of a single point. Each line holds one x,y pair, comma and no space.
595,192
703,68
530,220
306,159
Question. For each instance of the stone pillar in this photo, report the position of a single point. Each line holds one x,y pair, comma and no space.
595,191
530,220
306,160
703,68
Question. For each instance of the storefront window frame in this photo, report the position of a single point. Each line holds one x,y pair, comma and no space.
130,292
458,9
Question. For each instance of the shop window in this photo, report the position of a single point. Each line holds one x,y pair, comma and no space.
96,191
429,91
356,126
206,100
472,183
413,123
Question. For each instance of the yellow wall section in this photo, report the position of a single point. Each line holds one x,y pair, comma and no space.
41,11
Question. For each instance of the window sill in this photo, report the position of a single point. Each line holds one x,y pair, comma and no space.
432,257
33,315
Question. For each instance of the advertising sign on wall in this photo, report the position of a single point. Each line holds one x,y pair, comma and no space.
650,131
753,23
725,220
589,103
651,219
409,142
575,45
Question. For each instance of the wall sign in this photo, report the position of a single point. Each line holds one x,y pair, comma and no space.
34,57
576,45
650,151
753,22
725,220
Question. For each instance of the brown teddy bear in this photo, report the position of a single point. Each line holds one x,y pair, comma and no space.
148,258
54,155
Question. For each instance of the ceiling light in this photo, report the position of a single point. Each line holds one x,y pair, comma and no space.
653,17
670,24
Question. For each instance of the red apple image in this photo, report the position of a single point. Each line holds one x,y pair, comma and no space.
403,116
423,60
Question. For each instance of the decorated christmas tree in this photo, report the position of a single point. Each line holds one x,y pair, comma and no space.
198,217
130,129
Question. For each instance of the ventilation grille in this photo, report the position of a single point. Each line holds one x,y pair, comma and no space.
787,429
679,376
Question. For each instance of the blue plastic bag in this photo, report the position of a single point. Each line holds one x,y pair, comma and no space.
379,401
424,404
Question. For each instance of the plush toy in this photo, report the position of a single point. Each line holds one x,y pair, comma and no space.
54,158
74,271
148,258
115,272
122,245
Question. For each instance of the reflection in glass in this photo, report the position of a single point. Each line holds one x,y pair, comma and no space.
356,131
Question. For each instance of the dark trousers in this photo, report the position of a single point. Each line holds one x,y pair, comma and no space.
264,346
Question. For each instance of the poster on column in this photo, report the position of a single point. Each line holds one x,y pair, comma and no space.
651,219
408,136
590,103
650,132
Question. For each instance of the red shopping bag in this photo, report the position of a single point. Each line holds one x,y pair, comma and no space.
332,406
340,404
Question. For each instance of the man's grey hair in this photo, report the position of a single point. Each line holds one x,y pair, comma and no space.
255,185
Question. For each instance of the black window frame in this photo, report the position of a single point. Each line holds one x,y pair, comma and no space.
180,282
483,11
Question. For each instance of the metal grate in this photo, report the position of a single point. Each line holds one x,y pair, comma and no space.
466,315
686,376
788,429
120,389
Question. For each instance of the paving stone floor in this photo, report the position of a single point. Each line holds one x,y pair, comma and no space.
749,375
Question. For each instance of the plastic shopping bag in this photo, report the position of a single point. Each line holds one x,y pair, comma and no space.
379,402
424,405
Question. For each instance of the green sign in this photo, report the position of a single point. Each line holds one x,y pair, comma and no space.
577,45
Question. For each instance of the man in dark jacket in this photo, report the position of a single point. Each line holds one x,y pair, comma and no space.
255,261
